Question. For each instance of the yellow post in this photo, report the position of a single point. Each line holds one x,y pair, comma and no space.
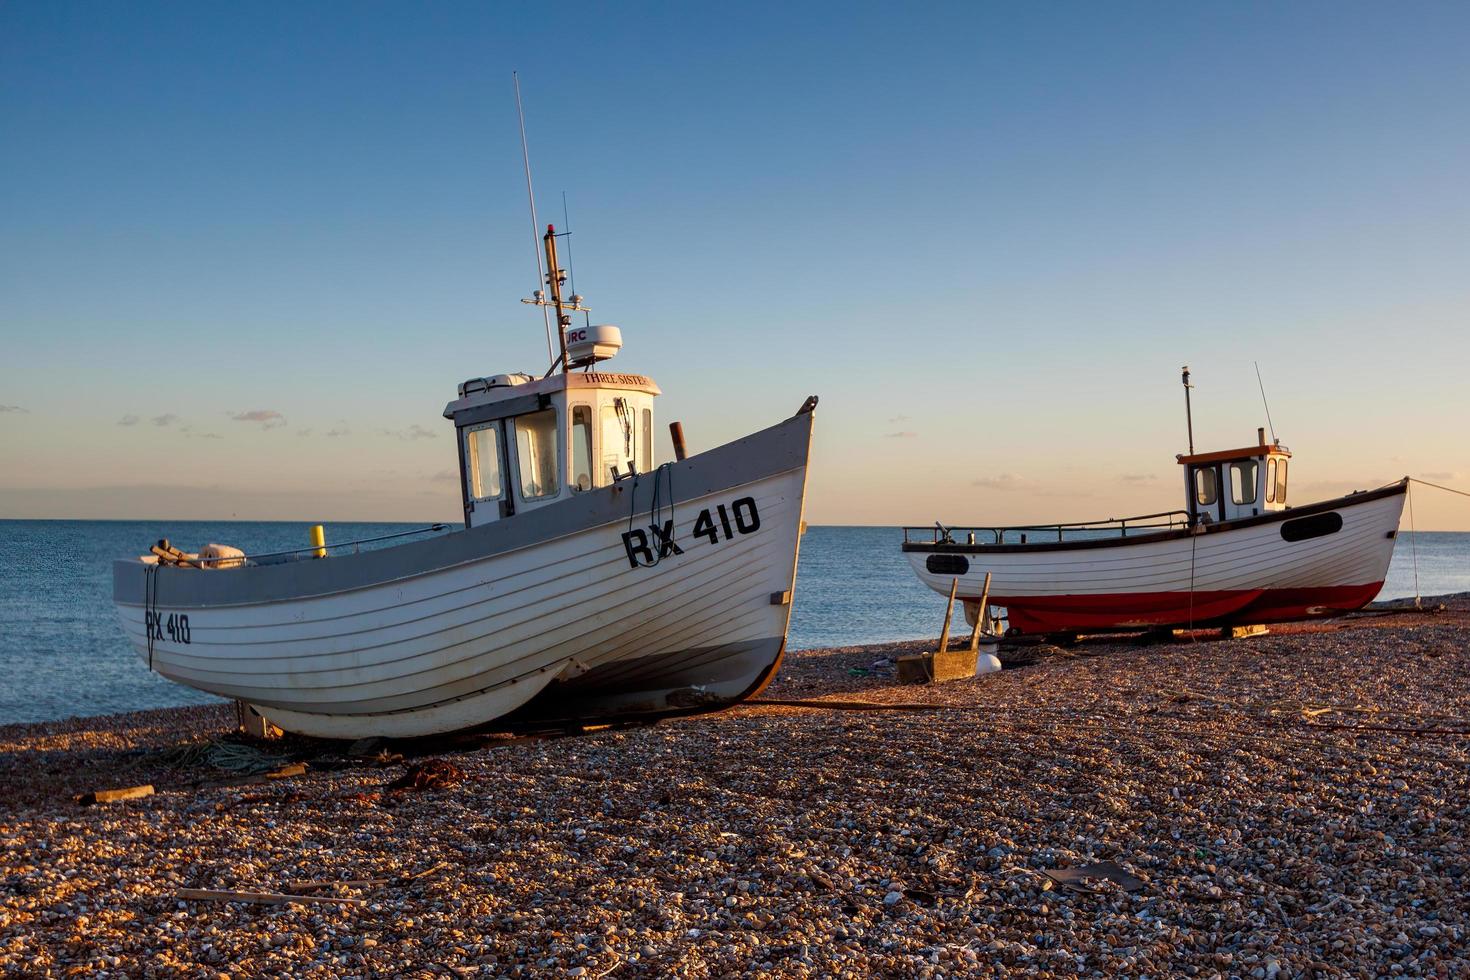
318,541
954,586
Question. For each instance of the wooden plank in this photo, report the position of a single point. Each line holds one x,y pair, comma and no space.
284,772
954,586
982,615
113,795
260,898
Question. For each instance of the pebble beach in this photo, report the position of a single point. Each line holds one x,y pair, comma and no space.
1295,804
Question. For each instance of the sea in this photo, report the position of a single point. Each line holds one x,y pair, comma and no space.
62,653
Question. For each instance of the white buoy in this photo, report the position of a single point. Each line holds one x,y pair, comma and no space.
986,662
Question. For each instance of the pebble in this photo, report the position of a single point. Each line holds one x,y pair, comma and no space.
794,842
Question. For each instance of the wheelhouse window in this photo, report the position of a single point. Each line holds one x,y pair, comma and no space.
1206,486
483,463
1271,480
618,437
646,450
1243,481
582,447
536,456
1281,481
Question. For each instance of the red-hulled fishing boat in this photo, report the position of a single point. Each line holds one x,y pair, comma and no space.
1238,553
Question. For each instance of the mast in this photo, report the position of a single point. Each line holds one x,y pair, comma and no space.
554,279
1188,418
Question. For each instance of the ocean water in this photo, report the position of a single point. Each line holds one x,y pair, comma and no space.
62,652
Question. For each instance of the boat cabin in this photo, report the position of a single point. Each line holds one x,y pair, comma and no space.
525,442
1236,483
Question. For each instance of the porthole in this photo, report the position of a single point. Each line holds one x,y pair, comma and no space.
1316,526
947,564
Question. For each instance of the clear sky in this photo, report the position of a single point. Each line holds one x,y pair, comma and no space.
248,250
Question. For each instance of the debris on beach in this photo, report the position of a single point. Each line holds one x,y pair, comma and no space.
433,774
1080,879
115,795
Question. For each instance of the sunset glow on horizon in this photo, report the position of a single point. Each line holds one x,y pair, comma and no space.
248,253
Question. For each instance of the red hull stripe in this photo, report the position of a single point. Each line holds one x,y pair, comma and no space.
1131,610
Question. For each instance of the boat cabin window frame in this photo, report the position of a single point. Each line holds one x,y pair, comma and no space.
581,460
1271,480
1281,482
646,450
1244,474
539,455
475,457
1200,490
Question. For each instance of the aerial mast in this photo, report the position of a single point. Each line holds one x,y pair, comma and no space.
1188,418
554,279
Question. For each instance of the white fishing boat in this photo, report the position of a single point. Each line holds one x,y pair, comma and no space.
586,584
1238,553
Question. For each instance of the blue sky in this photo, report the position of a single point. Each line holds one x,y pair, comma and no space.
987,235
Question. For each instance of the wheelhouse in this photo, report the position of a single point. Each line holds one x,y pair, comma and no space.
1236,483
524,442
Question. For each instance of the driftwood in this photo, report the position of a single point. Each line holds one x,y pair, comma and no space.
260,898
307,886
255,779
113,795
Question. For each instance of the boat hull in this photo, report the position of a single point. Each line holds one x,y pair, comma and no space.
566,612
1303,563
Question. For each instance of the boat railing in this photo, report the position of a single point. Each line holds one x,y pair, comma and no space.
281,557
1021,533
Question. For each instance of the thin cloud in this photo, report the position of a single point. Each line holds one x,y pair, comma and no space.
1010,482
303,432
128,420
900,435
14,408
1005,481
165,420
445,476
267,417
411,433
202,435
1139,477
1440,476
339,430
897,419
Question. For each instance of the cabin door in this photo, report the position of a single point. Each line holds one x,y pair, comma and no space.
483,468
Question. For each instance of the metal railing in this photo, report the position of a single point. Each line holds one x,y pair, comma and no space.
969,535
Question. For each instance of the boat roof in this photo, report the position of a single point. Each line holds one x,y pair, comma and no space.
478,392
1245,452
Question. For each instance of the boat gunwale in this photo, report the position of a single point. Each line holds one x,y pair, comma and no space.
1121,540
725,462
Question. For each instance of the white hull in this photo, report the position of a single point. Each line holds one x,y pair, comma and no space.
463,644
1242,571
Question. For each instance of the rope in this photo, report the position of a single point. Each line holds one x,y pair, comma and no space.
1414,535
848,705
1462,493
1414,549
150,605
663,547
1193,539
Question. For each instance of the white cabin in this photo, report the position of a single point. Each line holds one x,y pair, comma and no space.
1236,483
525,442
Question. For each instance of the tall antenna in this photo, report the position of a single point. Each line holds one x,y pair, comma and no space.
535,225
571,266
1188,418
1267,404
